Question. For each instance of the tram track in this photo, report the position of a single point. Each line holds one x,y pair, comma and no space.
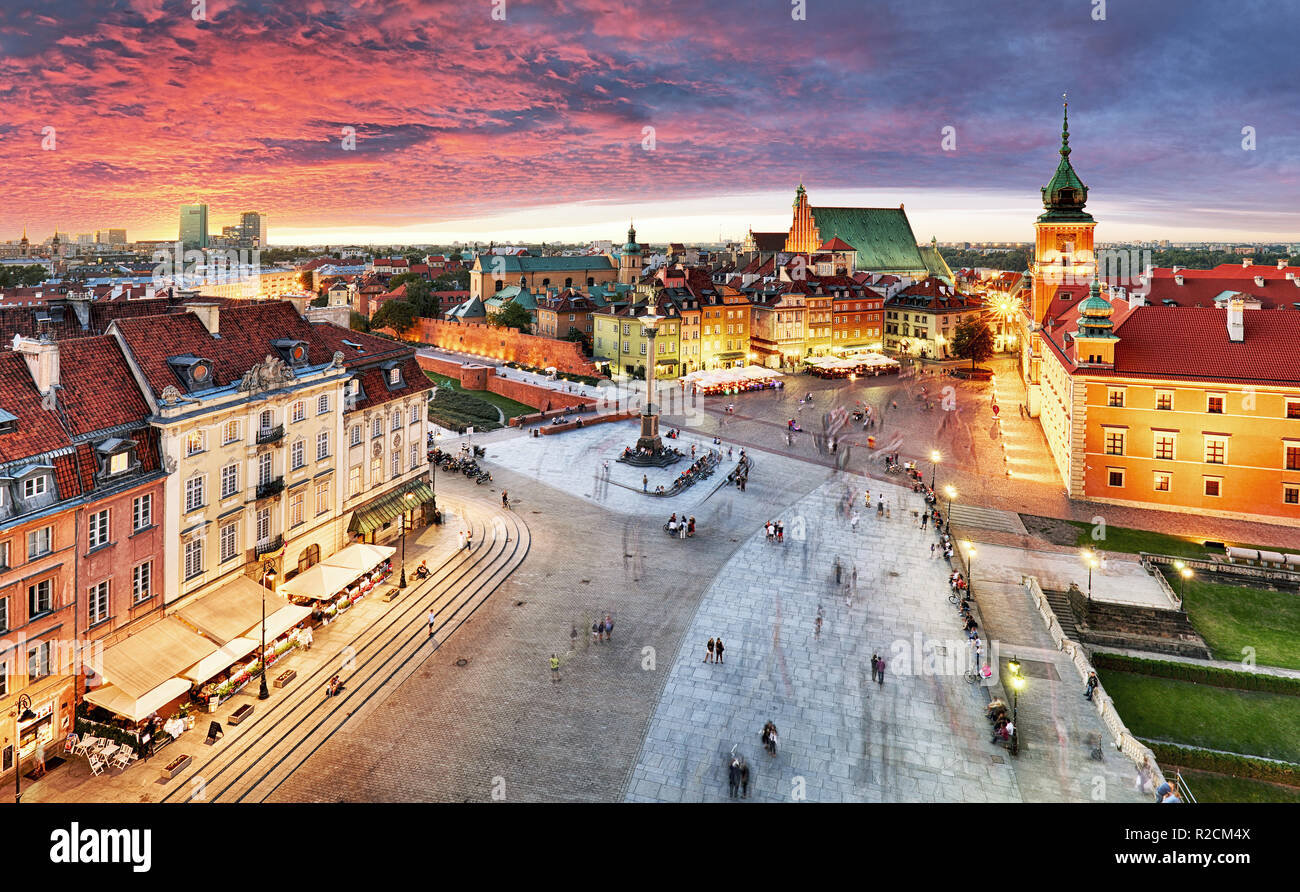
380,656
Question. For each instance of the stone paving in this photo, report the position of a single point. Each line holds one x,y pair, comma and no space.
919,737
1117,580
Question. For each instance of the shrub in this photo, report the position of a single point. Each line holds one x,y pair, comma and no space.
1197,674
1226,763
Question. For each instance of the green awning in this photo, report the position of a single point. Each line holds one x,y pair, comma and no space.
384,509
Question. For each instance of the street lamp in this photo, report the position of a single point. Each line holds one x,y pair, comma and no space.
970,565
1184,573
1017,684
22,713
934,463
1090,558
951,492
410,497
268,572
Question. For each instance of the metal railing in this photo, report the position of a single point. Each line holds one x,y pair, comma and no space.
270,488
270,434
1184,791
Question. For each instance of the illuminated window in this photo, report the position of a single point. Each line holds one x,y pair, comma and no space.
194,443
1164,481
1214,403
1164,447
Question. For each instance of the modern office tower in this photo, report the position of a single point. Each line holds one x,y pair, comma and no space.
116,237
253,229
194,225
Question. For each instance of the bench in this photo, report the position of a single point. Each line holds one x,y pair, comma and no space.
285,677
241,713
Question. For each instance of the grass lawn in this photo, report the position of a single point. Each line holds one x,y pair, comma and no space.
1207,786
1231,617
1252,723
1132,541
510,407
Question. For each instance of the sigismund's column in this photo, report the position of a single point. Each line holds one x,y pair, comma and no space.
649,439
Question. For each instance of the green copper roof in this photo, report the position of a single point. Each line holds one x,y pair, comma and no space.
882,236
513,264
1094,315
935,265
1065,194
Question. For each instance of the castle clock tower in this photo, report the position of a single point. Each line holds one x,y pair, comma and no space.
629,260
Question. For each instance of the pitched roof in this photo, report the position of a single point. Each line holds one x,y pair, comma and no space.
1192,343
935,265
882,236
510,263
769,242
98,392
38,430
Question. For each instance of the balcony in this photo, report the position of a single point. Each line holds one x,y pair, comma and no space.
270,434
269,545
270,488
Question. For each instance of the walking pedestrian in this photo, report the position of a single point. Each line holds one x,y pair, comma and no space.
875,665
709,657
817,627
433,619
645,483
555,668
505,499
609,627
925,519
596,629
461,539
744,778
573,638
733,778
853,521
880,506
718,649
469,538
839,570
880,671
932,551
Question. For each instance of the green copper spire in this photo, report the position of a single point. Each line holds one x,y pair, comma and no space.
1065,125
1065,195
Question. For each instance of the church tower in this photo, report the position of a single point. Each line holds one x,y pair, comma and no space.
1063,255
803,236
24,246
1095,336
629,260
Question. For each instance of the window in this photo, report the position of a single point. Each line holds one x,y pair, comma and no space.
264,525
1293,408
4,614
265,421
230,480
264,471
1164,481
193,558
1290,496
194,442
230,433
4,691
40,597
1214,403
35,486
297,454
356,435
1165,400
394,376
141,512
396,463
1214,486
1114,442
1216,450
1164,447
415,454
1115,476
1115,397
295,509
142,582
97,529
40,542
298,411
228,542
1293,456
397,420
4,562
322,404
322,445
97,603
322,498
376,427
38,660
354,480
415,414
119,463
193,494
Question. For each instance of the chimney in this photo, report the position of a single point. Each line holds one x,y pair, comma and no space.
1236,320
1178,279
42,361
1259,281
1246,262
209,315
1281,263
1176,268
1137,300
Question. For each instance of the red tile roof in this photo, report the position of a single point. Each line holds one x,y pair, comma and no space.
98,389
836,244
38,429
1192,343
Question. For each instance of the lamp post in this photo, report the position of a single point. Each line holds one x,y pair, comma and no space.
410,497
934,463
1184,574
951,493
22,713
970,565
268,572
1017,683
1090,558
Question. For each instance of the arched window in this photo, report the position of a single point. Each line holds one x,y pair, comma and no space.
568,283
546,283
266,421
591,280
310,557
500,284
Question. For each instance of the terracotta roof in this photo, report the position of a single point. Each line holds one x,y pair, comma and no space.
1192,343
38,430
98,389
836,244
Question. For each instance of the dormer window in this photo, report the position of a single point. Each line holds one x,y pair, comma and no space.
8,422
393,376
291,351
195,373
36,486
116,457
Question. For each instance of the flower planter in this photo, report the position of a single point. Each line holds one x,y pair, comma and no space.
176,766
285,677
241,713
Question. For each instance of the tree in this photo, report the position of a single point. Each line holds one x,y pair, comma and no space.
305,279
358,322
512,315
395,314
22,276
453,281
321,301
973,340
579,337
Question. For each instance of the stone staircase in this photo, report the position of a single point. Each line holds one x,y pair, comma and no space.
1060,604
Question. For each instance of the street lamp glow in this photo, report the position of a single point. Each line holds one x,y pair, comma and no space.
950,492
968,548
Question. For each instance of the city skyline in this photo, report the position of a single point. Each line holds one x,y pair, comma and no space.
471,129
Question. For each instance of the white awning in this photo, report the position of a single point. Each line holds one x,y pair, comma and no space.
143,662
221,660
279,622
118,702
361,557
321,582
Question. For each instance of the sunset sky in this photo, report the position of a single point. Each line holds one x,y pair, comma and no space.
532,128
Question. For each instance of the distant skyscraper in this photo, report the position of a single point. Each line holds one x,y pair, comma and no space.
117,237
194,225
252,227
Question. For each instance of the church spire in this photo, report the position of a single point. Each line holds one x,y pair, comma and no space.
1065,125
